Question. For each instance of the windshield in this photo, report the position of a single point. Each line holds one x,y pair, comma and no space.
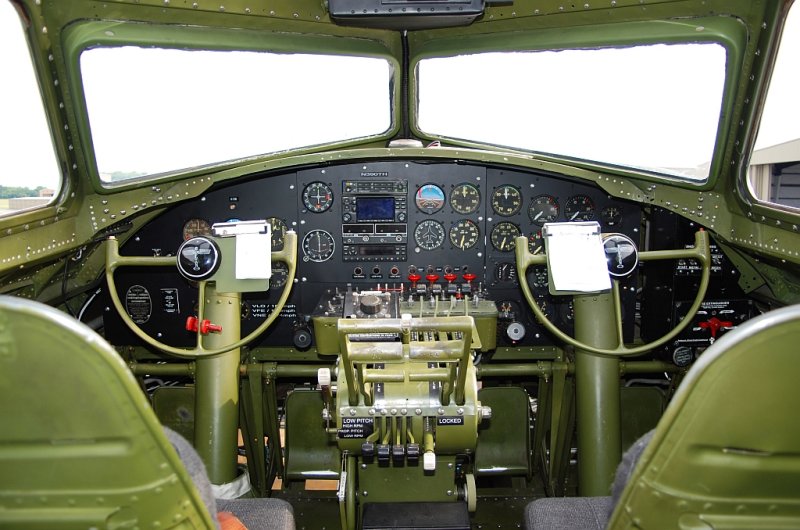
654,107
31,175
156,110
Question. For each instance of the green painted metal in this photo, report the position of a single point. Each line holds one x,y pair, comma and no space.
739,448
217,390
504,442
597,394
80,445
310,451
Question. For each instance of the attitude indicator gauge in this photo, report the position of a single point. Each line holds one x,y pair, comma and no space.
429,198
464,234
503,235
318,246
317,197
465,199
429,234
506,200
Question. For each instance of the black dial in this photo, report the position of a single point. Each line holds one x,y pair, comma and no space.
280,273
318,246
611,215
196,227
278,228
464,234
198,258
505,272
579,208
429,234
504,236
465,198
538,276
543,209
506,200
536,242
317,197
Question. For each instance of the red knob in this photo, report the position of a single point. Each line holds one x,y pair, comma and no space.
450,277
206,326
469,277
414,278
432,277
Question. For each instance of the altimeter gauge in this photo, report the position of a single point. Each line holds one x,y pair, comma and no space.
506,200
465,199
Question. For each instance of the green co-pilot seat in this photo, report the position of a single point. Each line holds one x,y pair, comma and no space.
726,453
80,446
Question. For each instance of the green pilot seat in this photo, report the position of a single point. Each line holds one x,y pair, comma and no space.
725,454
80,446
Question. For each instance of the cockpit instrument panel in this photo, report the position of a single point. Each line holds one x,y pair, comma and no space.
375,226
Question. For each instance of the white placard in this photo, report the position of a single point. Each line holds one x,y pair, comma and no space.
253,256
575,258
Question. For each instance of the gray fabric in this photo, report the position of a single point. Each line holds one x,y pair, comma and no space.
260,514
568,513
196,469
256,514
625,468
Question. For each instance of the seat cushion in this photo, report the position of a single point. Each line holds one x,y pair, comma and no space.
568,513
260,514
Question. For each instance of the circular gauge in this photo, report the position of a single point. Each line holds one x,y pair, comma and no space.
318,246
280,272
429,198
278,228
538,276
198,258
611,215
543,209
505,272
317,197
579,208
464,234
503,236
195,227
506,200
429,234
536,242
465,198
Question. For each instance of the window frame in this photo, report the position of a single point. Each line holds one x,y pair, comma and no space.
724,31
87,35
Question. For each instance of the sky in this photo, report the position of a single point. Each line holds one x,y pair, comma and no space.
132,141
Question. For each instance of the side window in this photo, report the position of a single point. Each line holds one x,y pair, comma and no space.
29,173
774,173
